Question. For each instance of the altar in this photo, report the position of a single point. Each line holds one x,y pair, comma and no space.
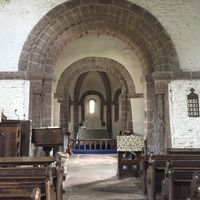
93,133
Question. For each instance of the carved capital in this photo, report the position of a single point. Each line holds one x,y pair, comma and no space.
36,87
160,87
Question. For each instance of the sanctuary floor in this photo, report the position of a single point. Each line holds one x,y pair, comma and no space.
94,177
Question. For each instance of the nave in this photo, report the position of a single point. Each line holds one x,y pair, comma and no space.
94,176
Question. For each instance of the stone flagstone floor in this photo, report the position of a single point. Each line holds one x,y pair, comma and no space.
94,177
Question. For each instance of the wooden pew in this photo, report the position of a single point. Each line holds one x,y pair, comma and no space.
56,164
36,194
178,183
23,183
148,160
2,144
183,151
35,161
195,187
144,162
155,172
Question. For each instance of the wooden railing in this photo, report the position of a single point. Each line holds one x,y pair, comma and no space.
94,142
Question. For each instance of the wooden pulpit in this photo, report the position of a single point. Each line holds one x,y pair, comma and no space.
47,138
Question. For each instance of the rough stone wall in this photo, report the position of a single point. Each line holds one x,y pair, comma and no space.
184,129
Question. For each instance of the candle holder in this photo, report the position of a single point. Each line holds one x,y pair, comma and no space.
68,150
16,113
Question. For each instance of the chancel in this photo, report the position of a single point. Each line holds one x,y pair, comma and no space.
101,72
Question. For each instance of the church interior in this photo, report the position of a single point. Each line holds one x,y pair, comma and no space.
107,86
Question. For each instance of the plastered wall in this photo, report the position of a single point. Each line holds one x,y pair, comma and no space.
14,96
185,130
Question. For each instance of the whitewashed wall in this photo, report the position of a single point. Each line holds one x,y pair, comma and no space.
17,19
14,95
181,19
185,130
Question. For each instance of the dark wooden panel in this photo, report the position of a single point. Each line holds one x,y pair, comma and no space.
2,141
25,134
12,134
47,137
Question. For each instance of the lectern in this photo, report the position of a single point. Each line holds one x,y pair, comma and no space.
129,153
47,138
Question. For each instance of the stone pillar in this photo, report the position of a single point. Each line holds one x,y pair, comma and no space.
160,86
127,123
76,117
64,110
149,114
36,103
64,118
48,104
160,122
129,116
124,111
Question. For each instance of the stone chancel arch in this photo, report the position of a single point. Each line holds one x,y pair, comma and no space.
107,65
121,19
80,69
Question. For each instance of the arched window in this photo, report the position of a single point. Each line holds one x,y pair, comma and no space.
91,106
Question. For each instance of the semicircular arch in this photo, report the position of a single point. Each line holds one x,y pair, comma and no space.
117,70
124,20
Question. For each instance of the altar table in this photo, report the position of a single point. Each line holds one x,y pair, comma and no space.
96,133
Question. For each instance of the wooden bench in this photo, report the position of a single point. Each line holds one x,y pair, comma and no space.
16,163
183,151
145,159
144,163
156,167
26,182
179,183
36,194
35,161
195,187
2,144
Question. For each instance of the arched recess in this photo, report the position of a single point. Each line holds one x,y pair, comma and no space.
80,69
92,92
108,99
102,103
121,19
